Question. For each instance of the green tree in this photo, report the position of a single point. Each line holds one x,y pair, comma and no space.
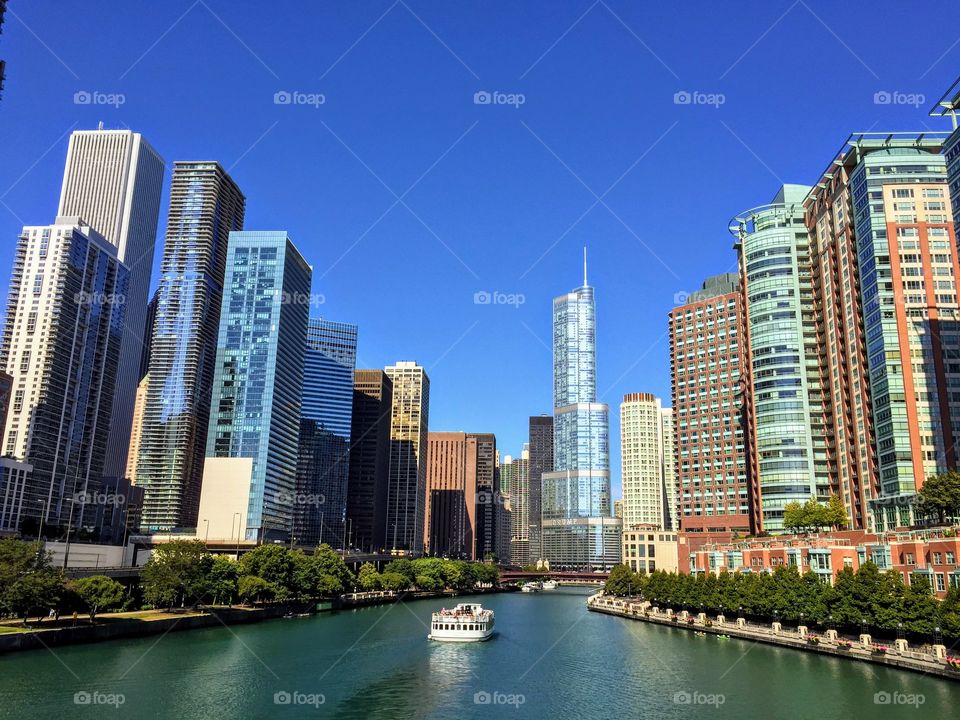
621,581
222,584
33,593
333,576
368,577
177,572
795,517
835,514
99,593
404,567
252,588
939,497
276,565
394,581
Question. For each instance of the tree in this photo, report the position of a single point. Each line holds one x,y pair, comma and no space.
178,571
255,589
939,497
394,581
334,576
222,584
276,565
835,514
368,577
621,581
99,593
795,517
403,567
28,582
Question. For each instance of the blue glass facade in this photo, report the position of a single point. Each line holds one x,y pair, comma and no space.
324,448
577,528
256,400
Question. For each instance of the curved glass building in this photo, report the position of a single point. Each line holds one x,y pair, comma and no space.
787,431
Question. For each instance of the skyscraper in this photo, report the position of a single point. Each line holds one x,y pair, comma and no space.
787,428
489,503
515,483
540,434
578,531
453,460
205,206
258,382
136,428
113,180
61,343
407,477
369,458
324,456
646,454
706,353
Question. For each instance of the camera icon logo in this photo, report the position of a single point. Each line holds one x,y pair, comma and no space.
482,698
282,97
282,698
482,297
682,698
882,97
82,97
682,97
82,698
482,97
882,698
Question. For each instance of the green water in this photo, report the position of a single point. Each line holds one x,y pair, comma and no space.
549,653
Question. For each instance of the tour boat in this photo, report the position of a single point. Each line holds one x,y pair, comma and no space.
549,585
467,622
531,587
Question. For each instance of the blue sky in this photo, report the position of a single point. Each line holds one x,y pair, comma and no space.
408,197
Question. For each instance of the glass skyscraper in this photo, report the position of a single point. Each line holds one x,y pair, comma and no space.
205,206
256,400
324,455
578,531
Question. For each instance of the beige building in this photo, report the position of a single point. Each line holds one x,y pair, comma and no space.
649,475
136,429
224,498
647,548
451,498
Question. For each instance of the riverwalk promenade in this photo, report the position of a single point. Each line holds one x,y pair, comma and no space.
934,661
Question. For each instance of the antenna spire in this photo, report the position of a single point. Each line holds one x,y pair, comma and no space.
585,266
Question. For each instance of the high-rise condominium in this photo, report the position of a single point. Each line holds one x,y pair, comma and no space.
369,458
323,467
453,460
136,427
884,204
205,206
706,353
540,435
258,383
786,424
578,531
113,180
515,483
407,477
61,343
646,453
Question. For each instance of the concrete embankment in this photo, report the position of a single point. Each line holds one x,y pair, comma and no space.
864,650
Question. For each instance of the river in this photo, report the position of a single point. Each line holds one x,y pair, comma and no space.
550,658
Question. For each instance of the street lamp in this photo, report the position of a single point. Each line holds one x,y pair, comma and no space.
40,533
206,536
900,633
237,516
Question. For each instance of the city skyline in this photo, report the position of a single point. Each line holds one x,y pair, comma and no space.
616,119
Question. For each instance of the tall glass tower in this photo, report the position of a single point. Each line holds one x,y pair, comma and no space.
578,531
205,206
323,466
257,388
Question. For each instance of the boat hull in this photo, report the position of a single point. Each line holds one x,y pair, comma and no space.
473,637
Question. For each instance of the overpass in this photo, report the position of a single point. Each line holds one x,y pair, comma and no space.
571,577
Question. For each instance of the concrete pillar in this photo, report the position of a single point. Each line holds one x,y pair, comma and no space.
721,619
832,635
702,618
802,631
776,628
684,615
866,640
940,651
901,646
741,622
669,612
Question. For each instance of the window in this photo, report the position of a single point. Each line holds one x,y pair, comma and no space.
941,582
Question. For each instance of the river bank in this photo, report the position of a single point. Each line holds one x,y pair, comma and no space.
117,626
898,657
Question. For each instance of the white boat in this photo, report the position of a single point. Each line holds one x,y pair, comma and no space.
531,587
549,585
467,622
